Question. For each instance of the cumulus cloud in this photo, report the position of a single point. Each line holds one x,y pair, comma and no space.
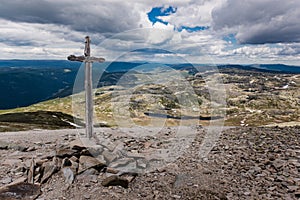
259,21
192,14
54,29
87,16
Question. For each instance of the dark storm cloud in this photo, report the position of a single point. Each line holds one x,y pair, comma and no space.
87,16
259,21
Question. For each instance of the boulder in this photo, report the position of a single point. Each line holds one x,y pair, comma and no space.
49,168
115,180
77,145
62,153
87,162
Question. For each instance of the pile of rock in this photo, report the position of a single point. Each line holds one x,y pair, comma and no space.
79,160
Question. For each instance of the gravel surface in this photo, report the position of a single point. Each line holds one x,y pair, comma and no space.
245,163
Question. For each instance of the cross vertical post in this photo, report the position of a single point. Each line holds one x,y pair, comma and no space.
89,107
88,85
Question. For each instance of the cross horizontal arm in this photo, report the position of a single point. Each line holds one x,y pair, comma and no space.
85,59
76,58
94,59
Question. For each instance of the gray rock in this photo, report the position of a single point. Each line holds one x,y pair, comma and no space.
121,162
86,179
278,163
68,174
111,170
3,145
30,174
77,145
6,180
32,148
130,167
292,188
109,156
115,180
11,162
37,177
20,191
87,162
74,159
62,153
49,168
74,166
142,163
19,180
17,147
90,171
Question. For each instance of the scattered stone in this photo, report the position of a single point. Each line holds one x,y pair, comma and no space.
109,156
129,176
239,163
3,145
87,162
68,174
90,171
11,162
115,180
49,168
62,153
74,166
77,145
121,162
19,180
74,159
30,174
142,163
292,188
278,163
6,180
17,147
32,148
38,161
20,191
92,151
111,170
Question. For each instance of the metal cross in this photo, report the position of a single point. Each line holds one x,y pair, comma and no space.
88,60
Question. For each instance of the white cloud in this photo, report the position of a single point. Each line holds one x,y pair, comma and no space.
259,21
192,14
55,29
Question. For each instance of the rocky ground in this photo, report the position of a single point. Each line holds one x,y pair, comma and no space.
245,163
242,97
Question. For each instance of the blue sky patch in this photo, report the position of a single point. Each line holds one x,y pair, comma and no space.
230,39
158,12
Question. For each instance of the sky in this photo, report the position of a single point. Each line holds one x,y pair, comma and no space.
196,31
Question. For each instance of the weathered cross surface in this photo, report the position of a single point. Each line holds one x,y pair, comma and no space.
88,60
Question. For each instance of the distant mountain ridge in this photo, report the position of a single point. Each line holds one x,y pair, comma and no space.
25,82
